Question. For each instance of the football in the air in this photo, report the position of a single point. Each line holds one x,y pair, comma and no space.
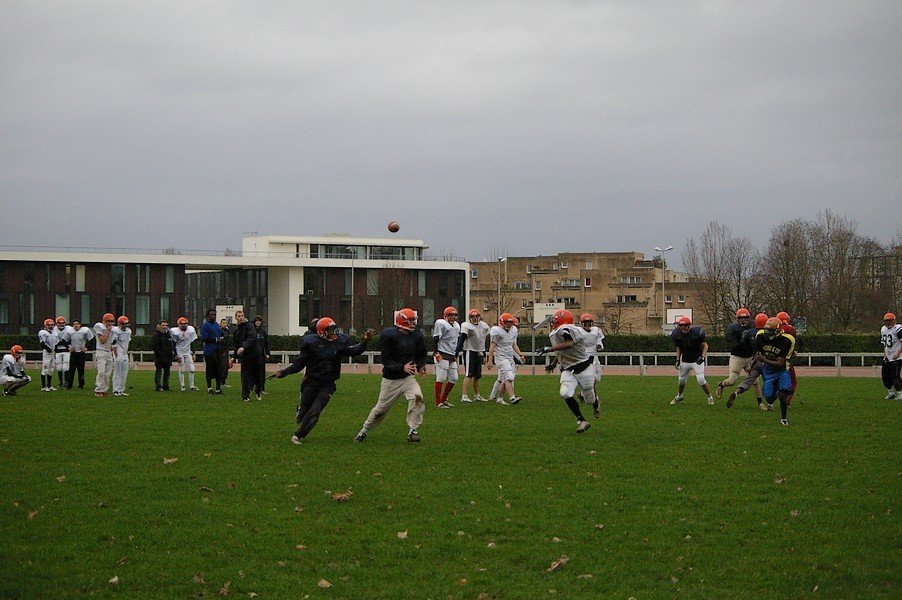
393,226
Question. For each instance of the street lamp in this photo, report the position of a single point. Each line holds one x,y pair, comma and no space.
351,328
663,277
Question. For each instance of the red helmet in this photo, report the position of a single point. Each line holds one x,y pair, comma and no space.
889,317
683,320
326,329
61,320
108,317
760,320
182,321
783,316
406,319
773,326
561,317
123,320
586,317
449,312
48,322
16,350
743,313
505,318
474,312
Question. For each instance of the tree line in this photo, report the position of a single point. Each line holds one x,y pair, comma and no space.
822,272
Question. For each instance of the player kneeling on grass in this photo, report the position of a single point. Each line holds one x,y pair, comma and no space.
321,356
12,371
774,346
568,341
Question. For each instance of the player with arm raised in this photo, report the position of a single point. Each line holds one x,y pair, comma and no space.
576,362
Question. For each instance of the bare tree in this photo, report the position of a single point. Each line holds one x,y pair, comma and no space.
787,273
707,261
836,268
743,264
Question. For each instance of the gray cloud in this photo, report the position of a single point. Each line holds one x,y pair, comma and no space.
521,126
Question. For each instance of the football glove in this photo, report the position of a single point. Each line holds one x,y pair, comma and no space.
544,350
700,361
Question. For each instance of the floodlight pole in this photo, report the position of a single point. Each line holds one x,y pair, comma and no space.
351,327
663,277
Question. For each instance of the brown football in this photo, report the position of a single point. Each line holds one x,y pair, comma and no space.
393,226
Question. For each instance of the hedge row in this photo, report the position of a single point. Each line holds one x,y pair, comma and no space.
839,343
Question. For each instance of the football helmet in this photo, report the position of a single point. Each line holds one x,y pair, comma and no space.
474,313
506,318
182,321
743,313
48,322
783,316
108,317
760,320
889,317
327,329
449,312
773,327
16,350
123,320
406,319
561,317
61,320
683,320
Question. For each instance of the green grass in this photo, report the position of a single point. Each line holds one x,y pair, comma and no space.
653,501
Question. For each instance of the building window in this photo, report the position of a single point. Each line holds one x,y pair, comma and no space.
589,265
117,279
564,264
474,273
538,284
372,282
170,280
526,304
164,308
632,279
681,299
79,278
421,283
521,285
588,282
86,318
62,305
486,305
668,299
142,310
4,311
626,298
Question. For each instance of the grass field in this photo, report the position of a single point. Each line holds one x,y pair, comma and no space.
653,501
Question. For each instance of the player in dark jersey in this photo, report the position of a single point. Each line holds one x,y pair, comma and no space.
774,347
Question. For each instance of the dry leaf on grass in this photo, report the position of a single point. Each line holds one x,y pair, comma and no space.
32,514
556,540
208,454
557,563
584,576
205,489
402,535
61,478
169,461
794,513
323,584
342,496
599,526
198,578
778,479
114,581
491,544
462,581
224,590
300,547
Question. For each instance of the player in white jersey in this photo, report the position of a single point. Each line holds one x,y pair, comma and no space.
103,353
503,350
446,335
47,338
573,355
472,344
182,336
123,334
12,371
78,343
891,338
594,344
62,350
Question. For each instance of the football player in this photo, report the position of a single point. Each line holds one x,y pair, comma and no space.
742,351
691,353
594,345
182,335
62,351
12,371
503,352
472,344
103,353
891,339
123,336
774,347
79,339
445,334
48,340
576,362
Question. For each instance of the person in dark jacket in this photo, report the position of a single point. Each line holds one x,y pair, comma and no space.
321,354
225,346
742,351
253,350
691,352
211,336
163,356
403,349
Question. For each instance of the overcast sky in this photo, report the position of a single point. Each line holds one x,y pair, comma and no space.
504,127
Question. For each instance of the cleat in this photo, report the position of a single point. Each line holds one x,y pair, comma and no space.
99,394
465,399
413,436
583,425
51,389
259,397
516,399
768,406
217,392
719,391
762,406
360,437
295,440
731,399
711,400
183,388
500,401
194,388
676,399
246,399
442,405
43,389
9,392
210,391
890,395
784,422
448,404
479,398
